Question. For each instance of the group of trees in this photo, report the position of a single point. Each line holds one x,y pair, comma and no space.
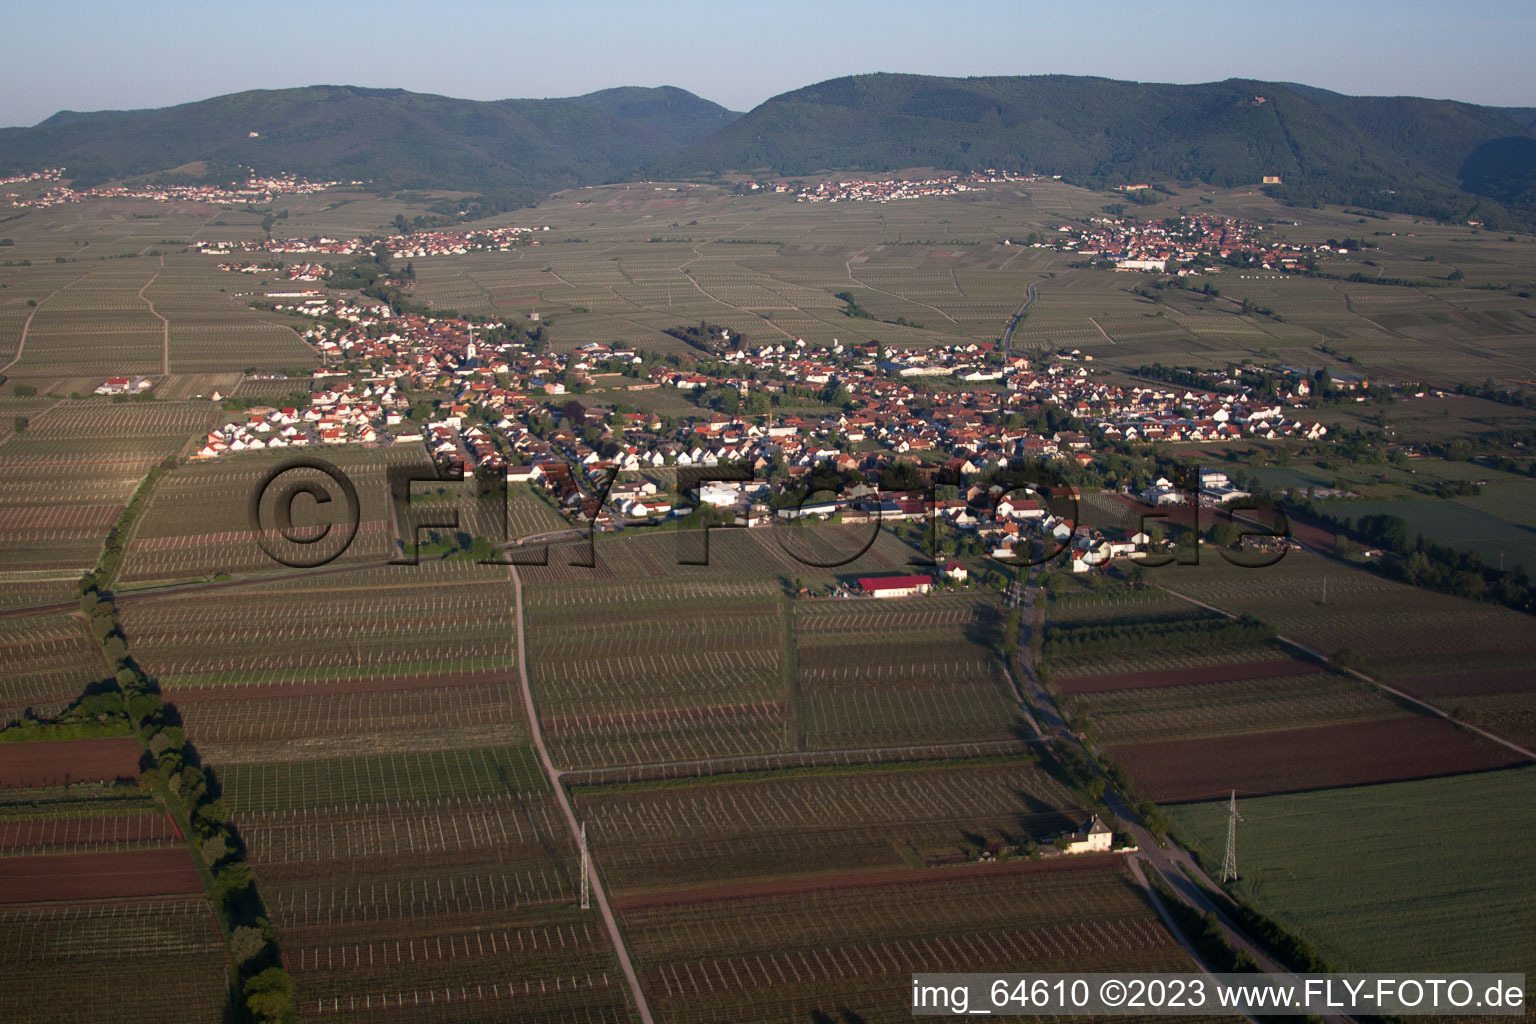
709,338
117,536
1205,935
131,700
97,712
1191,634
1410,557
1423,563
372,277
1493,393
852,308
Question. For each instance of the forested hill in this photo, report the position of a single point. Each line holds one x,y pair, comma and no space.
1382,152
1435,157
395,137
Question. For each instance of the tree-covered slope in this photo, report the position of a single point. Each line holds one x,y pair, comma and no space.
675,115
1436,157
1381,151
386,135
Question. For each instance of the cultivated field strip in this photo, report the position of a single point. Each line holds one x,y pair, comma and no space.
712,677
407,777
856,947
259,719
866,617
338,630
1232,708
123,946
521,941
37,835
103,927
414,896
619,597
676,670
919,710
732,555
169,422
855,820
558,971
918,670
791,759
48,660
453,825
669,742
1061,944
197,385
197,522
1152,659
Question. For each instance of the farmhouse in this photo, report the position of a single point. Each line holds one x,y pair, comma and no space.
123,386
895,586
1093,837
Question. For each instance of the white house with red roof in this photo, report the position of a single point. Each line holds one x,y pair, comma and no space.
895,586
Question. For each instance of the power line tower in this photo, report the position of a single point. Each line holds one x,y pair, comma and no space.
1229,862
586,871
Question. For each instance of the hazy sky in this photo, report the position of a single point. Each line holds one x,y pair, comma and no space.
101,54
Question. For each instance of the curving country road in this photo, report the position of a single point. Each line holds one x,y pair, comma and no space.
1017,316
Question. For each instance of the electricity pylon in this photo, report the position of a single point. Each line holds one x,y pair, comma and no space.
1229,862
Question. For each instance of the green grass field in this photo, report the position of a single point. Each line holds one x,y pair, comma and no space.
1453,524
1408,876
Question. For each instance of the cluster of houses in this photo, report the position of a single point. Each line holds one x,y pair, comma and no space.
510,387
504,405
47,174
346,413
892,189
1159,246
501,405
254,191
885,190
457,448
293,271
50,174
399,246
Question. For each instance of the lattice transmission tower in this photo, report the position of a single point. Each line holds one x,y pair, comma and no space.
1229,862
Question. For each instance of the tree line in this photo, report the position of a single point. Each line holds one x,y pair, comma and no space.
1186,634
132,697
